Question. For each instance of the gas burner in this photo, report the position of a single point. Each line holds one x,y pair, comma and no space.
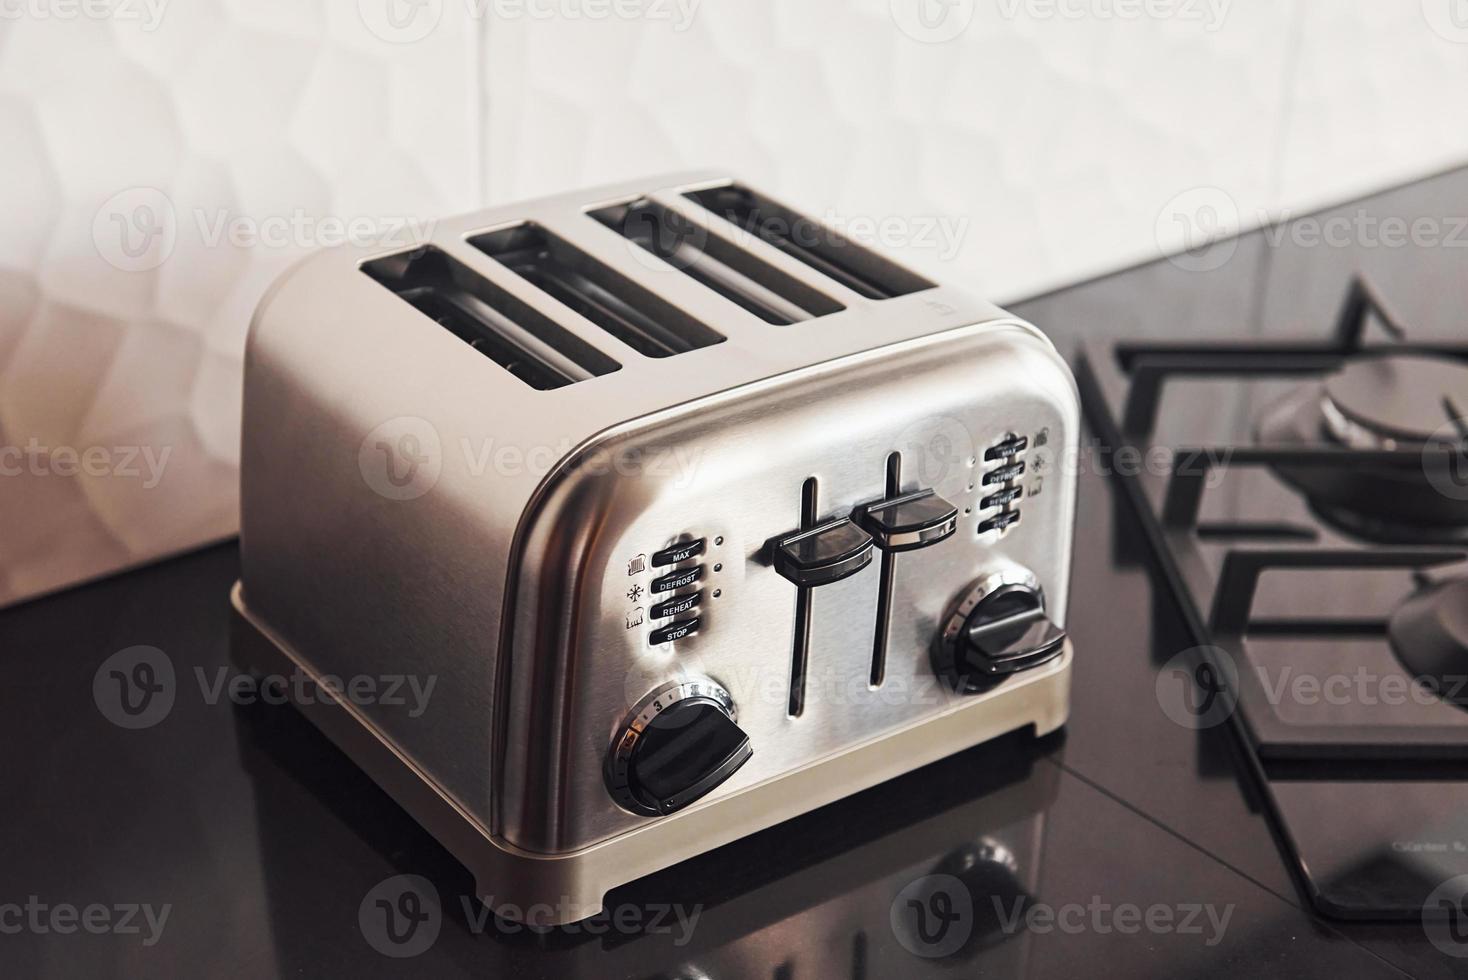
1391,401
1379,401
1429,634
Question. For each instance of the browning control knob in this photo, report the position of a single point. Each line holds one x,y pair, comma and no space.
997,628
677,744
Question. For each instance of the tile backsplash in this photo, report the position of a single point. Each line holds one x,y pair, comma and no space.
165,160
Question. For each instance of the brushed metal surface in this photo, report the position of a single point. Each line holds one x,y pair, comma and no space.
573,667
568,887
509,584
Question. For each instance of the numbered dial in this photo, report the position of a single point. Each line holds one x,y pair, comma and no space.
679,743
997,628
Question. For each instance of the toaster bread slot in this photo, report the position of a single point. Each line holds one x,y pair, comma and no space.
816,244
888,573
524,343
800,648
728,270
638,318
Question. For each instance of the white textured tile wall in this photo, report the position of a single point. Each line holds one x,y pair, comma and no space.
1049,145
1376,97
1009,144
141,158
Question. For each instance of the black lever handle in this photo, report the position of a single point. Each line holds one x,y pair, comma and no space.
823,554
911,521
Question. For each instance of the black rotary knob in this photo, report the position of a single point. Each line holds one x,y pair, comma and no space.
679,743
998,628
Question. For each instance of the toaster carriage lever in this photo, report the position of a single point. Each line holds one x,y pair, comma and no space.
823,554
911,521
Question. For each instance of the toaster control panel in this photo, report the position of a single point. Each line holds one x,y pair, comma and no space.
666,605
1006,469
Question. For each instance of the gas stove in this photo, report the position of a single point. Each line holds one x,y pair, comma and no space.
1307,504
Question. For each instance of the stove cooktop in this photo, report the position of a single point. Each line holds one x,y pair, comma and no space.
1307,502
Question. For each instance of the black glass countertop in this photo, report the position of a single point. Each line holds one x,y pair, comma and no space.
234,840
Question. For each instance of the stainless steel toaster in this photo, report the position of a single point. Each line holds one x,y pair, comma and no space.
691,513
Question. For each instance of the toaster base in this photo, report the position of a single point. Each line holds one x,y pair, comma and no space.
558,889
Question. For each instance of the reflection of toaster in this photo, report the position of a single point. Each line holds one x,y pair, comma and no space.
695,515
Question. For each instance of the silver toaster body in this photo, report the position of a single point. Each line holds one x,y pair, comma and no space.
691,514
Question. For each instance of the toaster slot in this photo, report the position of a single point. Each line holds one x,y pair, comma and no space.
800,649
524,343
725,268
887,576
638,318
817,245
